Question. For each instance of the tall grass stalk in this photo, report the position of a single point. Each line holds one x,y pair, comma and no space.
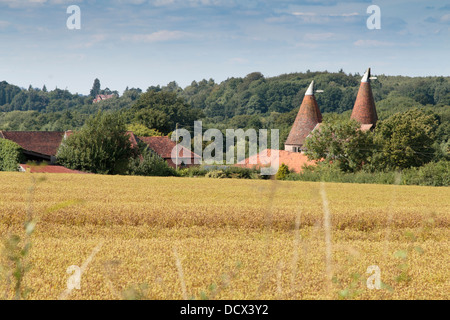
327,229
180,274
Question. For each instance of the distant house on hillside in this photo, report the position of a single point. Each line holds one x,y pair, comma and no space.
163,146
102,97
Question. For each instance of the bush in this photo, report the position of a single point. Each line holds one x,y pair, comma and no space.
142,131
240,173
195,171
220,172
101,146
283,172
216,174
10,155
150,165
432,174
406,139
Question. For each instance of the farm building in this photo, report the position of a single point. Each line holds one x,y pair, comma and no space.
163,146
294,160
309,119
47,169
364,110
37,146
42,147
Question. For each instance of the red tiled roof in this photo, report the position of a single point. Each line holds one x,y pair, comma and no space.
133,139
101,97
364,110
43,142
307,118
48,169
163,146
294,160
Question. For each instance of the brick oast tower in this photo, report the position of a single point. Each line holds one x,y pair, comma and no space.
307,119
364,110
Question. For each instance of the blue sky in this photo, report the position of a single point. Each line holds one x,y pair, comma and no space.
139,43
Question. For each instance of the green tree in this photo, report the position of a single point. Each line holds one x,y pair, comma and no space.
10,155
95,88
342,143
150,164
282,172
406,139
101,146
142,131
163,110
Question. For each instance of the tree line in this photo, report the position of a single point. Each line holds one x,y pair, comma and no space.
253,102
253,95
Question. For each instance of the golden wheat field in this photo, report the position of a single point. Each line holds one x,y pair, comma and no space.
198,238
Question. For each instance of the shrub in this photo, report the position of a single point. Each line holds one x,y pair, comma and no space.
283,172
150,165
406,140
10,155
142,131
195,171
431,174
220,172
216,174
240,173
101,146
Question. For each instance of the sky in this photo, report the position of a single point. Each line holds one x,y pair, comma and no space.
141,43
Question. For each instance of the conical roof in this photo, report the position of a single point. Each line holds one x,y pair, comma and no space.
307,118
364,110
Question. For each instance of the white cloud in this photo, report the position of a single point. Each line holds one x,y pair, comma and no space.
306,45
373,43
238,61
313,14
352,14
304,14
318,36
94,39
318,18
31,3
158,36
445,18
190,3
4,24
